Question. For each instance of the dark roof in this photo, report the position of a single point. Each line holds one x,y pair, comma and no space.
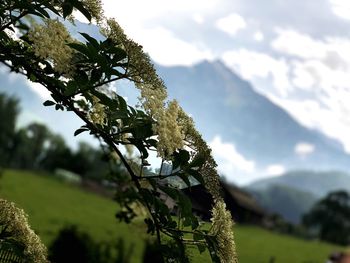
243,198
202,200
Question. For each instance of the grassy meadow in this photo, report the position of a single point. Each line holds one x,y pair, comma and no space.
52,204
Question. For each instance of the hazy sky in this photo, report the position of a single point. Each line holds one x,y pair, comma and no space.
296,52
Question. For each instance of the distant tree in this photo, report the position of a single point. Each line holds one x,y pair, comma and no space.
56,154
331,216
89,162
9,110
71,246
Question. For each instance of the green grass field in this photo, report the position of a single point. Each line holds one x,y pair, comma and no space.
52,204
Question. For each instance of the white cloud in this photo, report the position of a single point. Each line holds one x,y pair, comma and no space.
229,160
231,24
136,11
169,50
334,51
294,43
199,19
258,36
250,64
275,170
141,21
333,121
341,8
303,76
39,89
304,148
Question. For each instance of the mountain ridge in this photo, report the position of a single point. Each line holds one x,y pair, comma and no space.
224,104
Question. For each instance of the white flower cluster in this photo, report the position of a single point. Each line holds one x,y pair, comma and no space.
14,221
152,99
50,42
97,112
169,132
222,223
222,229
201,150
153,93
95,9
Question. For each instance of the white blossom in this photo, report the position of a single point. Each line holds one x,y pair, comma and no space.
50,42
14,221
222,228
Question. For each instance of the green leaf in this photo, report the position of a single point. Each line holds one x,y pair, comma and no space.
196,175
212,246
78,5
185,206
77,132
42,11
181,158
197,236
195,222
184,178
80,47
173,193
123,106
184,156
201,248
96,75
71,88
197,161
150,226
32,77
105,100
91,40
49,103
152,142
67,9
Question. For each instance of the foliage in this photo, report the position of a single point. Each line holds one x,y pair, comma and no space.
79,75
72,245
35,147
8,114
330,216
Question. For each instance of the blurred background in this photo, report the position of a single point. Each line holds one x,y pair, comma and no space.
268,86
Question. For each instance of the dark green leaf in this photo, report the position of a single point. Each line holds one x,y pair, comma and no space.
78,5
91,40
184,178
201,248
77,132
197,236
67,9
49,103
173,193
80,47
197,161
152,142
196,175
212,246
71,88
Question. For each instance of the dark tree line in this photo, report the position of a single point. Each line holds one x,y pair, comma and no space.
35,147
330,218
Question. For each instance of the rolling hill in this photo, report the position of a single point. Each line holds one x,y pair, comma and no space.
288,202
316,183
52,204
294,193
